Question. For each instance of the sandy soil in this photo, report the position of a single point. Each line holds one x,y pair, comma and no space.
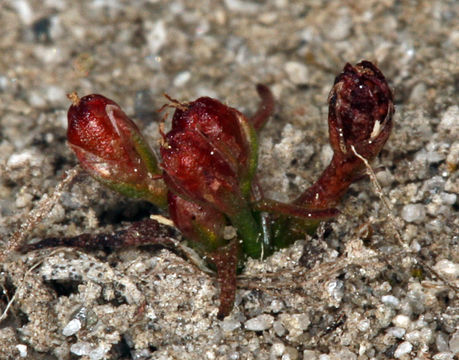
353,293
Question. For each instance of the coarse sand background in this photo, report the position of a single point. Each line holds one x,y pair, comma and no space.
352,293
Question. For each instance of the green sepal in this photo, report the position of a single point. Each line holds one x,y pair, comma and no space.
252,141
157,194
145,153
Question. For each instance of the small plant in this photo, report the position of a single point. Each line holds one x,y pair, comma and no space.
206,178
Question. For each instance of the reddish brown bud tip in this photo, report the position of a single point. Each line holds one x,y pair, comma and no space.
92,126
110,147
196,170
360,111
210,154
218,122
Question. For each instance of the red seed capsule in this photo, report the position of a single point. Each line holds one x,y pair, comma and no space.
360,111
359,119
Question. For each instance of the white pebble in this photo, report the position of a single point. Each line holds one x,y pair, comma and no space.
326,154
453,154
23,200
447,268
245,7
413,336
230,325
385,178
268,18
278,328
363,325
55,94
404,348
49,56
290,353
182,78
81,348
4,82
454,37
297,72
441,341
344,354
22,350
24,11
36,99
335,289
86,349
396,332
229,232
341,26
259,323
434,155
413,213
301,321
450,120
277,349
448,199
418,93
390,300
443,356
415,246
454,343
277,305
98,353
309,355
72,327
402,321
22,159
156,35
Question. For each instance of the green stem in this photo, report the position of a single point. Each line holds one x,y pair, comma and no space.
287,230
250,232
303,212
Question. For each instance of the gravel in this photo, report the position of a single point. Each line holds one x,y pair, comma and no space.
354,292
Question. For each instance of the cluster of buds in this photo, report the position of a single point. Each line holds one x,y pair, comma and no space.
206,175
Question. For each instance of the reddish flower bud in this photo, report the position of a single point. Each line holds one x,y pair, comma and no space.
196,170
210,155
111,148
202,225
360,111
